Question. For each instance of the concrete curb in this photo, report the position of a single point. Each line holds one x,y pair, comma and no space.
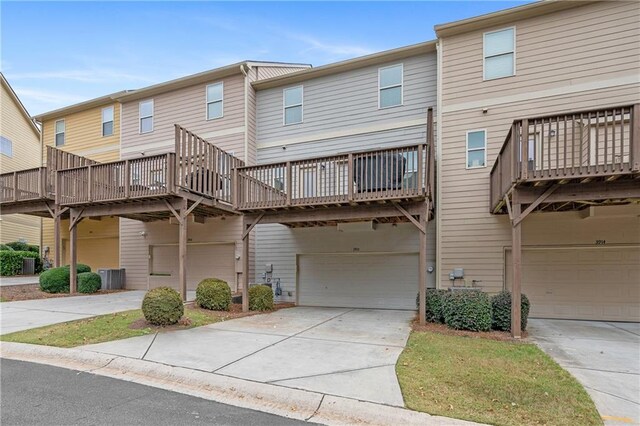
278,400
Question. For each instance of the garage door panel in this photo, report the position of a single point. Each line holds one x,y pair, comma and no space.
385,281
600,283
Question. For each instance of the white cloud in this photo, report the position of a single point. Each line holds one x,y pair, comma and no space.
89,75
38,100
333,49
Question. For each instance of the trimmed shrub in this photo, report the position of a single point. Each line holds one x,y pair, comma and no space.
89,282
260,298
162,306
18,246
5,247
435,299
11,261
80,268
467,310
501,311
55,280
214,294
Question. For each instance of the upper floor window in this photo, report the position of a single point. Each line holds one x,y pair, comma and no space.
107,121
59,132
292,105
146,116
215,98
500,53
6,146
476,148
390,86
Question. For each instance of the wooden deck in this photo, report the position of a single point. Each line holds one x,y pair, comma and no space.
575,160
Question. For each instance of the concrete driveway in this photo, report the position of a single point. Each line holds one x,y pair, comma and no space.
26,314
342,352
603,356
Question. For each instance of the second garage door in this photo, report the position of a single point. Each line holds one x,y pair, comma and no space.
591,283
382,281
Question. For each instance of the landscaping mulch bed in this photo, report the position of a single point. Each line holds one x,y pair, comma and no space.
446,330
32,291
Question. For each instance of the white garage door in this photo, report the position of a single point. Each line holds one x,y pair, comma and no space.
599,283
203,261
385,281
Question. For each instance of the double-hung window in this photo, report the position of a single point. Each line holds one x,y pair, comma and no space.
390,86
292,101
59,134
215,97
146,116
476,149
6,146
107,121
500,53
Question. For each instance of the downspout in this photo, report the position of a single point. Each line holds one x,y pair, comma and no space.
439,49
245,70
42,163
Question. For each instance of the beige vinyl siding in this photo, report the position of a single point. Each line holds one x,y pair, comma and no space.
348,100
262,73
25,144
472,238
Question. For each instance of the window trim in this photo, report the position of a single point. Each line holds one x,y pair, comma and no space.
285,106
484,54
466,163
207,102
140,117
56,133
401,85
4,138
113,114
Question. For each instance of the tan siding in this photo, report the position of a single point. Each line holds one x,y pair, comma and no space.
262,73
18,227
561,51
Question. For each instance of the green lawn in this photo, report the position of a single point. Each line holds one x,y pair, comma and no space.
102,329
489,381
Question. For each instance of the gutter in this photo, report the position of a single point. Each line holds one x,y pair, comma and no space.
244,69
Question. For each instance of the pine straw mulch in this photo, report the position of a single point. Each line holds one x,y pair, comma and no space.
446,330
14,293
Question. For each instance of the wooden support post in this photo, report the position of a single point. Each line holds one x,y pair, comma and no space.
424,216
57,236
245,262
635,138
75,217
182,249
516,259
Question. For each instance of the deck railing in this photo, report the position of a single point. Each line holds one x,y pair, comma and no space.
23,185
367,176
580,145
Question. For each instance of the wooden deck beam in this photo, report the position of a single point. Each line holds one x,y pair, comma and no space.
593,191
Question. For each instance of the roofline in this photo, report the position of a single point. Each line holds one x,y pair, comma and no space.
201,77
23,109
91,103
350,64
506,16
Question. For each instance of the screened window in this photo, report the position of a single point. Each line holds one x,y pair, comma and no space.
499,54
215,98
476,149
107,121
59,134
146,116
292,105
390,86
6,146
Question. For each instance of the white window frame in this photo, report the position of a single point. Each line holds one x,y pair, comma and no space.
10,145
140,117
113,126
401,85
466,160
285,106
56,133
484,54
207,101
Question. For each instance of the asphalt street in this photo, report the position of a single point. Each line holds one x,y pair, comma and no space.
35,394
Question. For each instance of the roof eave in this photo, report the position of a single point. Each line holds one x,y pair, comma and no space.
82,106
23,109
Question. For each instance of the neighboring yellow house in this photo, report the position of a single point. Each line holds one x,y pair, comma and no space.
19,140
90,129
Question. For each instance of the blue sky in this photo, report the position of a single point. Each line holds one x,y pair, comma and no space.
58,53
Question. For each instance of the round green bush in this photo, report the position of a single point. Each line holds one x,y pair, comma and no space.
89,282
435,299
80,268
162,306
55,280
501,311
467,310
260,298
214,294
18,246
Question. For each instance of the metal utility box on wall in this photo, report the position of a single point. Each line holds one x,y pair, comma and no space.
112,279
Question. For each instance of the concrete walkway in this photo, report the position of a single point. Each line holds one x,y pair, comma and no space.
26,314
340,352
603,356
20,280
